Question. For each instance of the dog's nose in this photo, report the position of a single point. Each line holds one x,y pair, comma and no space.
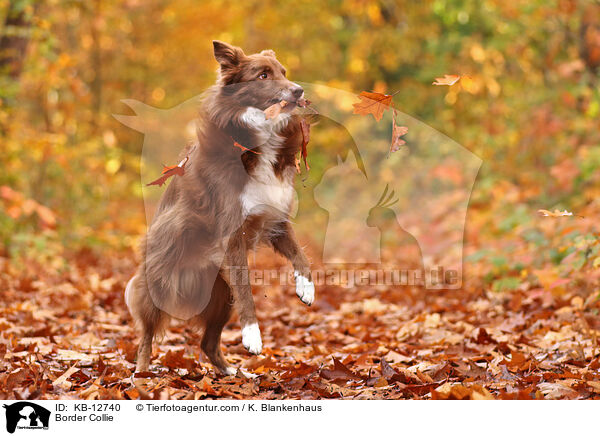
297,91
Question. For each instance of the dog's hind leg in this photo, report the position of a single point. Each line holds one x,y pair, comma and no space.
215,316
149,318
145,349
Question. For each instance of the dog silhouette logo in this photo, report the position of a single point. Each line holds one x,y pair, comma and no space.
26,415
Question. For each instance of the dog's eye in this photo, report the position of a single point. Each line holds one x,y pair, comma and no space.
263,76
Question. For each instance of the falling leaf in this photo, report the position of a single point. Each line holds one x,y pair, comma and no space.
241,147
556,213
274,110
397,133
374,103
177,170
397,141
305,127
448,79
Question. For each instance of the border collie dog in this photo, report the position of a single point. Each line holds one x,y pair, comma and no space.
236,192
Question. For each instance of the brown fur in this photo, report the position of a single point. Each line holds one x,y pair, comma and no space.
195,251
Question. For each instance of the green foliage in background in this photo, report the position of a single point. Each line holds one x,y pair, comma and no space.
528,103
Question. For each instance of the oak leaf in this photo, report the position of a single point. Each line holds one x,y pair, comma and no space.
374,103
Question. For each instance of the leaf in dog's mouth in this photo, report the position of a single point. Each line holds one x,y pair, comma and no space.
303,102
275,109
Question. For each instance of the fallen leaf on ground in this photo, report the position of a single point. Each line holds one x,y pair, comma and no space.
457,391
339,371
61,382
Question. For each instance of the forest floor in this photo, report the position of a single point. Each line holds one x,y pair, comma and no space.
69,335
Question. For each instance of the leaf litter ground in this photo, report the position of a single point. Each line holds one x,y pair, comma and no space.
69,335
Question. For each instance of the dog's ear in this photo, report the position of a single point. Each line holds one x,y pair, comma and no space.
227,55
270,53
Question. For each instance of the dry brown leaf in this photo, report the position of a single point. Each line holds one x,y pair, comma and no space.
374,103
275,109
448,79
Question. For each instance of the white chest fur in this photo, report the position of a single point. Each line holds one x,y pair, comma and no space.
265,191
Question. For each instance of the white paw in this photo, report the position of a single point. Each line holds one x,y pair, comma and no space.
305,289
251,338
230,370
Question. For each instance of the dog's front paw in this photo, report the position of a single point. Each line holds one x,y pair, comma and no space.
230,370
305,289
251,338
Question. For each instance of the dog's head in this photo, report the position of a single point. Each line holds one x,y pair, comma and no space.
256,80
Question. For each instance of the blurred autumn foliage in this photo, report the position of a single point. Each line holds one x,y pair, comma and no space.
527,103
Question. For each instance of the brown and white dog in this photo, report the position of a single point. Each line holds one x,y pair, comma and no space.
229,200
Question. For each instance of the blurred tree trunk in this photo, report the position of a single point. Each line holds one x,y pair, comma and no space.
14,40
